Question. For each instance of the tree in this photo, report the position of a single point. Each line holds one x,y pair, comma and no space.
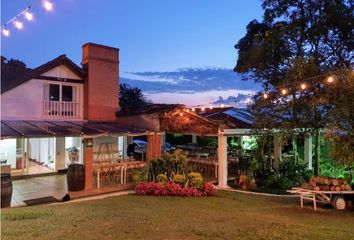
298,42
131,97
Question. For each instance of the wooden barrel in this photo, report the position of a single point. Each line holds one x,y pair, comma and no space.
6,190
76,177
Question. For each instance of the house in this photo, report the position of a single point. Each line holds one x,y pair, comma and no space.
59,105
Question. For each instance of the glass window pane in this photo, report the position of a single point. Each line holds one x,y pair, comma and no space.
53,92
67,93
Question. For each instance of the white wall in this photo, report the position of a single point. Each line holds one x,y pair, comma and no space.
8,149
26,100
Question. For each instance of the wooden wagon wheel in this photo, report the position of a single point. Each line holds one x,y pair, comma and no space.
339,203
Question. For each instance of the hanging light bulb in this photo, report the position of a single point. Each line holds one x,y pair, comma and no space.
5,31
211,107
28,15
202,109
265,95
222,105
187,110
248,100
48,5
193,109
284,91
303,86
181,114
18,24
330,79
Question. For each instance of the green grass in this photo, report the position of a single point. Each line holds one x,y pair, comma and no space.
229,215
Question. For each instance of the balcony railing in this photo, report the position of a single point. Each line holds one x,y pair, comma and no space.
61,109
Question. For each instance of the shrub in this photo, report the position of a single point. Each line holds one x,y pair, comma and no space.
178,178
139,176
161,178
195,179
173,189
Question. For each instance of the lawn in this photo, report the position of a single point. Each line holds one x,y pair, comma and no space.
229,215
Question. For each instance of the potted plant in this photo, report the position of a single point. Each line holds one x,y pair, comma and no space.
76,171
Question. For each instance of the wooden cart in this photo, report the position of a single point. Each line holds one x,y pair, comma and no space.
340,200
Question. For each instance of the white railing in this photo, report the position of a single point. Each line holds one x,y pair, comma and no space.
61,109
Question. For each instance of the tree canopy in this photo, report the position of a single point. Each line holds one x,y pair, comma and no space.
131,97
292,51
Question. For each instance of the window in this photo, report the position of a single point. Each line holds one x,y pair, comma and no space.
54,92
67,93
58,92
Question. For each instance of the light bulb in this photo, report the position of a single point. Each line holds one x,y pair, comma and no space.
202,109
29,16
284,91
303,86
6,32
18,25
48,5
330,79
265,96
222,105
211,107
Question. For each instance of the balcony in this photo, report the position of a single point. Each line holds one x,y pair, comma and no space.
61,109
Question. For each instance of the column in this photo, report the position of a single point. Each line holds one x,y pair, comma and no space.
163,141
153,149
308,152
88,162
277,152
194,139
59,153
222,160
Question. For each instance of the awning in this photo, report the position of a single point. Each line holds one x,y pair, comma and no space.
33,129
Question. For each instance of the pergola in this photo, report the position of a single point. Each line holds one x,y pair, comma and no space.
222,151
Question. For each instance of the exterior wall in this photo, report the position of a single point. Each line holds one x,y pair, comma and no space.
25,102
61,72
101,86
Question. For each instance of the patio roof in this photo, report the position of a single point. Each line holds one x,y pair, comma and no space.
33,129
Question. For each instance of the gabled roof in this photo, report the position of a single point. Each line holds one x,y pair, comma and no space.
12,77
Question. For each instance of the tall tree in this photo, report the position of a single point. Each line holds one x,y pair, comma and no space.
292,51
131,97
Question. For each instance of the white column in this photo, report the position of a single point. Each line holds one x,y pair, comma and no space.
194,139
125,146
59,153
222,161
163,141
277,151
308,152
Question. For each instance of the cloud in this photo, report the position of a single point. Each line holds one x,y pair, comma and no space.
187,80
193,86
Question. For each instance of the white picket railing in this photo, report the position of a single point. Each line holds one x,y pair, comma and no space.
61,109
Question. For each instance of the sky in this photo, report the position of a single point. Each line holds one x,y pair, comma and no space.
177,51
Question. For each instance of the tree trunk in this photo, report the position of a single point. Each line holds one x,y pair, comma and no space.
317,153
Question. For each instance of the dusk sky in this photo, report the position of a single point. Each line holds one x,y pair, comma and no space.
176,51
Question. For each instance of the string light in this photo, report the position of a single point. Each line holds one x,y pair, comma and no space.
211,107
265,95
202,109
330,79
187,110
18,24
5,31
48,5
181,114
29,16
303,86
222,105
284,91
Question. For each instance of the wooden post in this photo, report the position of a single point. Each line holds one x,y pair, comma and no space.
88,162
277,152
153,146
222,160
308,152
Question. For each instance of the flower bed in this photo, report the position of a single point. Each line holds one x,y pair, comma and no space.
173,189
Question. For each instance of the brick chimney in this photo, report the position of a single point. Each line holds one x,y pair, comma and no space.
101,64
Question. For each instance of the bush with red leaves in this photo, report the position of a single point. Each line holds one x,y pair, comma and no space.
173,189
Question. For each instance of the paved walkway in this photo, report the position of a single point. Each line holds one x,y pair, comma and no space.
55,186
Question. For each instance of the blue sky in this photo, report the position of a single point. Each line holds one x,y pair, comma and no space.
176,51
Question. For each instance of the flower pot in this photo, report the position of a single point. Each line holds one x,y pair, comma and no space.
76,177
6,190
